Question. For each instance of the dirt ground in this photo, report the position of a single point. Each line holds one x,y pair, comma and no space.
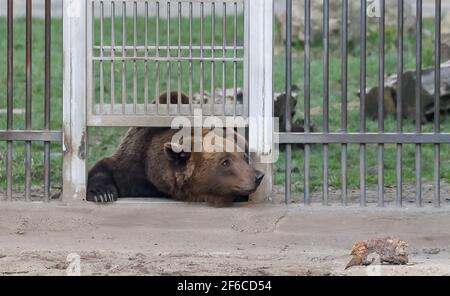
167,238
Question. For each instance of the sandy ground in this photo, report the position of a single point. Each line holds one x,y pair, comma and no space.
164,238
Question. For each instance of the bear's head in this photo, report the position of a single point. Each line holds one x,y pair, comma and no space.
218,175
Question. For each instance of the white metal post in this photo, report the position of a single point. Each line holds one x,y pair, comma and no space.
259,47
74,100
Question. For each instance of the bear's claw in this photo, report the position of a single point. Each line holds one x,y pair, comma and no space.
101,196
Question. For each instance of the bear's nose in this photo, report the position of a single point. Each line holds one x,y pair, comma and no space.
259,177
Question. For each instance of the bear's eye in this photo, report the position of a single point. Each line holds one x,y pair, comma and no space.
226,163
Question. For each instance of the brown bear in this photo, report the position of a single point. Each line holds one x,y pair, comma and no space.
148,164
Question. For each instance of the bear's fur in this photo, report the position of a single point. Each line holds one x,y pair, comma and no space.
148,164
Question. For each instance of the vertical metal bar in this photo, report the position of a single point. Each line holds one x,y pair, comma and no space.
344,89
307,98
190,60
381,105
135,86
246,6
326,96
213,64
169,66
419,101
437,105
124,54
399,165
158,66
235,63
10,102
102,52
91,35
28,96
224,44
288,111
146,60
202,65
113,56
179,72
47,96
363,70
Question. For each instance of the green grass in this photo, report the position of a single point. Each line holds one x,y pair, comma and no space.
38,99
354,118
103,141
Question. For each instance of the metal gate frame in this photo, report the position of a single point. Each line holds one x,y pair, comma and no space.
258,87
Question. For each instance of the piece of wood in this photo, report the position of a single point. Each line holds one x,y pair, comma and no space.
409,95
392,251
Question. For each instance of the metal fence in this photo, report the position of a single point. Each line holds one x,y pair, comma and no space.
29,135
363,138
138,50
120,56
135,50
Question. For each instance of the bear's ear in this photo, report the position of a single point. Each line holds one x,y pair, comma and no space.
175,153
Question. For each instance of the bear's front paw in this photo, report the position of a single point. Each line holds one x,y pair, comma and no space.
102,194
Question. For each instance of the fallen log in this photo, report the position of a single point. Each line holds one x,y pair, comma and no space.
409,95
298,126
